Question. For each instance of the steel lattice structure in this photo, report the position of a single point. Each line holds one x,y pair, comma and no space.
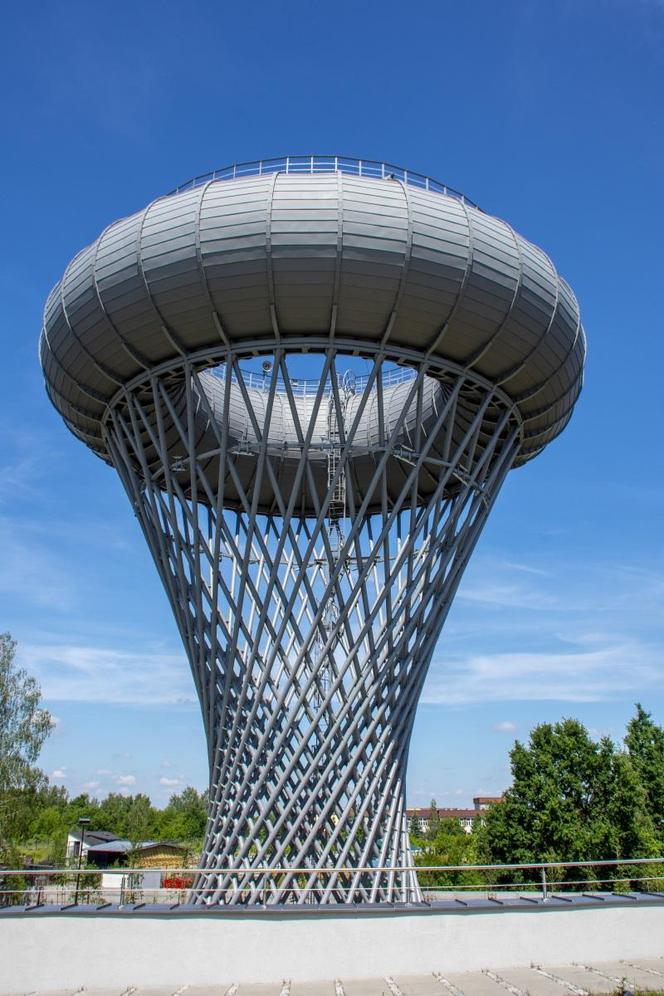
310,535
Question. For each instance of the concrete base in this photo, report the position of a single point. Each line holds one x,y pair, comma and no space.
59,951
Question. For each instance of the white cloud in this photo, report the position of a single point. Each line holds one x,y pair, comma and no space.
506,726
582,632
527,569
170,782
59,774
33,458
125,779
28,571
83,673
505,595
103,772
90,785
585,675
590,588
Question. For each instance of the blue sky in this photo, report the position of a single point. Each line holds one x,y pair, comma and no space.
546,113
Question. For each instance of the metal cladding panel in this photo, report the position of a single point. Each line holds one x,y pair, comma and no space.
304,227
233,254
122,292
305,253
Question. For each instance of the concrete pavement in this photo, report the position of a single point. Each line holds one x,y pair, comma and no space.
541,980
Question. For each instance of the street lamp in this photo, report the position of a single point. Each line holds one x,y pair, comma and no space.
83,822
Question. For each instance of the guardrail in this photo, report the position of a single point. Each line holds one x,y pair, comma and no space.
70,887
309,386
325,164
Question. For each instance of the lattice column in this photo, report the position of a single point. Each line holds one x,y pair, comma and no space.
308,658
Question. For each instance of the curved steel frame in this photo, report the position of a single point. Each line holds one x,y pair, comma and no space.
309,638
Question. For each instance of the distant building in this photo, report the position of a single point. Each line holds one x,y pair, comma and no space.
88,838
484,801
141,854
103,849
466,817
113,855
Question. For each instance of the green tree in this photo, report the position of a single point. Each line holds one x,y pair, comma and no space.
24,726
49,823
434,820
415,827
185,816
572,799
645,745
141,818
450,846
113,814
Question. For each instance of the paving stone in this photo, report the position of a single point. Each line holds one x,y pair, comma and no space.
257,989
527,980
596,978
636,978
157,990
580,977
98,992
203,991
311,989
419,985
473,984
70,992
365,987
654,965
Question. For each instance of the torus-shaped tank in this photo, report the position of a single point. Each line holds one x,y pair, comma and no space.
312,375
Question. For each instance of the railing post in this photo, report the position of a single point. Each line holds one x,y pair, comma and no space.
545,892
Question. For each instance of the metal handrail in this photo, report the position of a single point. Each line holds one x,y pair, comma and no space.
350,869
40,892
325,164
309,386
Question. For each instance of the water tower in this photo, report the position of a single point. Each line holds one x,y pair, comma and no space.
312,375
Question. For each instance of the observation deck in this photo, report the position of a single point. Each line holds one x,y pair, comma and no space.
310,387
299,165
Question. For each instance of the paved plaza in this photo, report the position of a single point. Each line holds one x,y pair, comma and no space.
541,980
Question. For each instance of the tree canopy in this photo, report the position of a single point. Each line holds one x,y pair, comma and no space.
645,745
447,843
578,799
132,817
24,726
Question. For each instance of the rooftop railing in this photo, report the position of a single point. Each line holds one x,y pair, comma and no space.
463,885
309,387
326,164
